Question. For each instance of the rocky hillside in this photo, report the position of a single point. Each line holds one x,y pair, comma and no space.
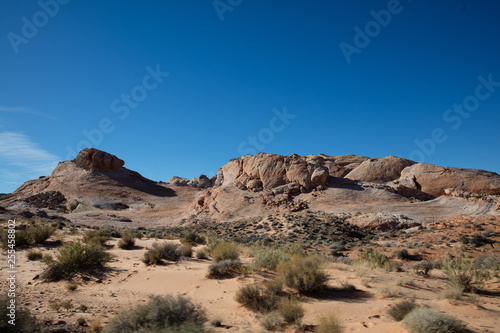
96,188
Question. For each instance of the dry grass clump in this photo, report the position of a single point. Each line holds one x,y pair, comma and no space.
225,251
223,268
272,321
256,298
291,311
34,255
424,320
160,314
162,251
305,274
75,257
399,311
32,235
127,242
330,323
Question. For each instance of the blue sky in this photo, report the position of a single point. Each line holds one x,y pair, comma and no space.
179,88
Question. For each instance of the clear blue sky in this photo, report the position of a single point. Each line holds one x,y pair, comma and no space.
82,65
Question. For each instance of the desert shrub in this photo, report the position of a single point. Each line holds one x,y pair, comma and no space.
329,324
97,237
401,309
213,240
461,272
373,257
291,311
81,321
34,255
389,290
166,250
71,286
202,254
305,274
193,238
161,314
83,307
127,242
75,257
274,287
31,235
392,266
150,258
424,320
272,321
225,251
220,269
38,234
422,267
269,258
488,262
24,321
186,251
255,298
454,291
67,304
402,254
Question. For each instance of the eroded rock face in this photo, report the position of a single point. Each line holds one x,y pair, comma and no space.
379,170
94,159
270,171
434,179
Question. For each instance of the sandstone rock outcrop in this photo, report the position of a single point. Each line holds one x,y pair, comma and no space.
94,159
380,170
433,179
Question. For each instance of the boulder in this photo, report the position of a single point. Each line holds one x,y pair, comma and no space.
98,160
380,170
434,179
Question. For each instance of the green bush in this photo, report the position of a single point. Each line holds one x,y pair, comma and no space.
75,257
33,255
424,320
423,267
272,321
127,242
223,268
373,257
97,237
291,311
305,274
462,273
202,254
256,299
193,238
402,254
162,251
31,235
24,321
329,324
225,251
81,321
160,314
269,258
401,309
186,251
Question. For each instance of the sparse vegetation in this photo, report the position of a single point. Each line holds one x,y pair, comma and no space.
272,321
401,309
127,242
424,320
161,314
81,321
269,258
224,268
202,254
162,251
256,299
75,257
193,238
33,255
30,235
97,237
305,274
291,311
71,286
225,251
186,251
330,323
402,254
373,257
462,273
423,267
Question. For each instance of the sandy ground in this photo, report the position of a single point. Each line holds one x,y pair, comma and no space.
126,282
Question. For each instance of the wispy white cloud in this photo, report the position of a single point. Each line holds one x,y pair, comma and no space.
20,156
24,110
